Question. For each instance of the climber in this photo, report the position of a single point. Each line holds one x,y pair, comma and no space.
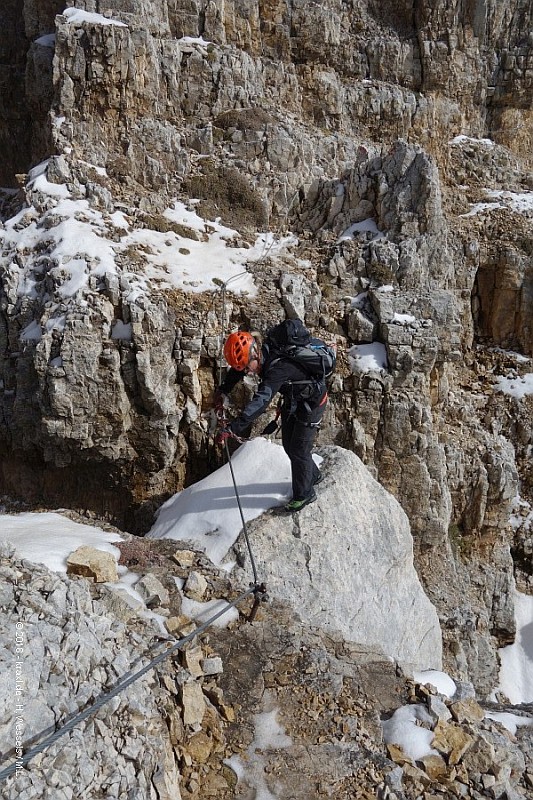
303,402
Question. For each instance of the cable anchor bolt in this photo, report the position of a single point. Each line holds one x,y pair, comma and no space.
260,596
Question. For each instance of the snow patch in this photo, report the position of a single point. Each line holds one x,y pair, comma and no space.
463,139
49,538
194,40
269,735
368,358
403,319
520,202
516,660
518,387
510,722
440,680
82,242
207,512
366,226
76,16
201,612
403,729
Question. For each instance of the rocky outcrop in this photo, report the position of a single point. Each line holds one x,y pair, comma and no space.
345,563
436,68
71,648
277,705
68,643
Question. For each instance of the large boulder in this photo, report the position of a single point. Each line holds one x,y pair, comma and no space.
345,563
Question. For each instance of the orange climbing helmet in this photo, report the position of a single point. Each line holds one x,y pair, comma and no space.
240,348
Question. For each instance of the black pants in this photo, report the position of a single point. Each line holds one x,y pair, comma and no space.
298,432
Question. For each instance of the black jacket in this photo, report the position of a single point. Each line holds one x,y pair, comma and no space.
301,393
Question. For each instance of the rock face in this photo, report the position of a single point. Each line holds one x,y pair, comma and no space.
371,141
72,648
345,564
276,706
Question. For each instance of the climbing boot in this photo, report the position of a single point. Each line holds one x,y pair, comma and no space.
318,479
297,505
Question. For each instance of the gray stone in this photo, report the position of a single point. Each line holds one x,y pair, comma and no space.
195,586
212,665
346,562
438,709
193,701
96,564
151,589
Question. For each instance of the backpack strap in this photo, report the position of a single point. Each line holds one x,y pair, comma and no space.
293,383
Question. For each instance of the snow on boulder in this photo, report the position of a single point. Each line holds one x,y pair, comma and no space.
207,513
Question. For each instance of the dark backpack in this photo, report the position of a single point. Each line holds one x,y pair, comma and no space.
291,339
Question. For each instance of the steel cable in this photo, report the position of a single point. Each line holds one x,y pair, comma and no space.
117,689
244,528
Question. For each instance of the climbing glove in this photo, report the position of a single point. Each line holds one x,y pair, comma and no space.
223,435
221,402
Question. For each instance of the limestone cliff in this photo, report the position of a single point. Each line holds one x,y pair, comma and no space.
279,115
